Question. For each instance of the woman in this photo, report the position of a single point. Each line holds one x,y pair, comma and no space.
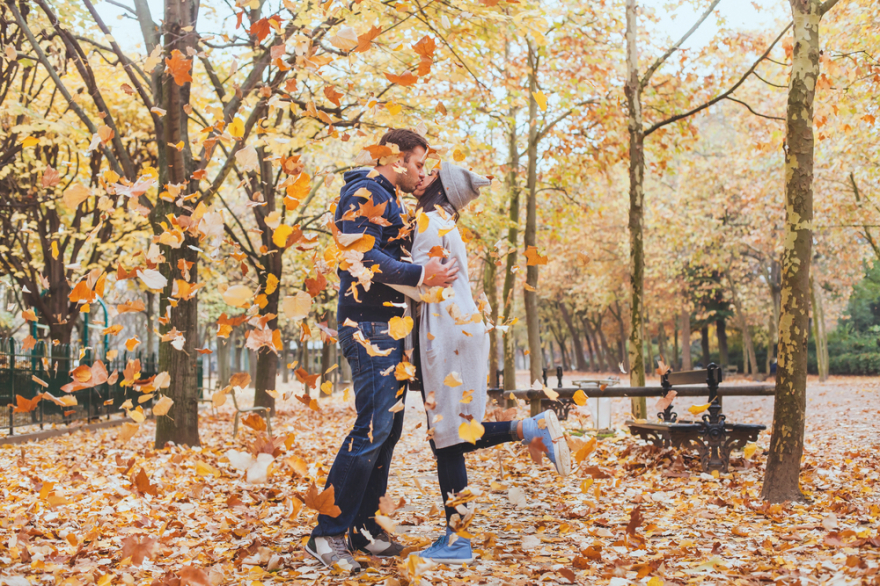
452,357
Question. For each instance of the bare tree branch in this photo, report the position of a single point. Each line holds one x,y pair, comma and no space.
662,59
753,112
722,96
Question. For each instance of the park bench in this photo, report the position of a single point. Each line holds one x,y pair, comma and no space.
713,437
264,411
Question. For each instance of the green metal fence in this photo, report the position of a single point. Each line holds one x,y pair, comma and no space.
21,370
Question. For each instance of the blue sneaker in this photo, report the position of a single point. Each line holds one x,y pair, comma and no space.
442,553
550,433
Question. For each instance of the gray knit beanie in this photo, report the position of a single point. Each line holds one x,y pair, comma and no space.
461,186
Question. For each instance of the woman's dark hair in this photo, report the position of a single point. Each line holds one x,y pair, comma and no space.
435,196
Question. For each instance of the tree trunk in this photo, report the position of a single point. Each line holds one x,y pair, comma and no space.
151,336
490,275
181,424
285,360
223,346
512,244
748,347
721,333
686,363
592,345
819,334
623,356
789,408
238,346
579,360
661,343
775,292
531,235
176,167
675,342
636,203
606,351
704,343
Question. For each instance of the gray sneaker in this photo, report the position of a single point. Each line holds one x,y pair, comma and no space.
333,553
382,545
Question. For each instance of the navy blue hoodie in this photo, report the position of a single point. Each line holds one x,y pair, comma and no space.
386,253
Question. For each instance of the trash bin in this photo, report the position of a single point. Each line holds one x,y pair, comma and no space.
600,411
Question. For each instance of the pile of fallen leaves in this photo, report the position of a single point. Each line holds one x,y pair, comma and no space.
99,508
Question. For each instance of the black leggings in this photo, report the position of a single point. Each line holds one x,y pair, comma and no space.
451,467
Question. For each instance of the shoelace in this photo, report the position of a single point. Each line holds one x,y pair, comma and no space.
337,544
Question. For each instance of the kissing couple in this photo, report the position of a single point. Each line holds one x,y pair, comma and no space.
451,344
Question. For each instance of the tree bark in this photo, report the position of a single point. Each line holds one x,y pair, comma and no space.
636,203
675,342
748,346
661,342
531,235
704,343
512,244
579,360
592,344
490,276
721,334
686,363
223,346
789,408
819,334
180,425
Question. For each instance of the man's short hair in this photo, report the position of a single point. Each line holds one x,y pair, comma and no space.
406,141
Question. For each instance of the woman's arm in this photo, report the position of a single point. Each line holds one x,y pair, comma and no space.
423,243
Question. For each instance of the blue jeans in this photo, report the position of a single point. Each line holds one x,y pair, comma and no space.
359,474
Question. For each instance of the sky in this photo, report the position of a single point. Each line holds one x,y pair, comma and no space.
745,14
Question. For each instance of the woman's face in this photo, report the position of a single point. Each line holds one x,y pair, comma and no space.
430,178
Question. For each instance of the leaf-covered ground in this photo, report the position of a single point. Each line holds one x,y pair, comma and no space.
90,508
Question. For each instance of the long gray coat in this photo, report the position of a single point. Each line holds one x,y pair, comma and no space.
452,338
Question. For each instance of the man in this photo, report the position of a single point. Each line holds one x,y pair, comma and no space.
359,474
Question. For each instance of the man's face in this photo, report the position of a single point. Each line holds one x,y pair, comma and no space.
428,180
415,170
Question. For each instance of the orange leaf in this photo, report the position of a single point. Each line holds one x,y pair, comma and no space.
324,503
303,376
405,79
26,405
179,67
533,258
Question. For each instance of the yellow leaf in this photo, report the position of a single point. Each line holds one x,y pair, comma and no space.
55,250
400,327
655,581
457,156
279,236
137,415
238,296
467,397
236,128
697,409
203,469
358,242
749,450
586,484
471,431
423,221
541,100
271,284
297,306
132,343
327,387
585,450
75,195
127,431
405,371
579,398
393,108
30,141
453,379
162,406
